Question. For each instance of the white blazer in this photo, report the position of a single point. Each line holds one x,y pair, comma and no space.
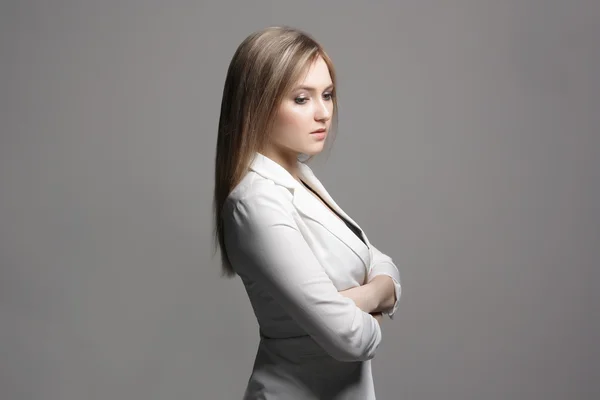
293,256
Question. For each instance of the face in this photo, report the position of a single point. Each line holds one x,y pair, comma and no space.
304,110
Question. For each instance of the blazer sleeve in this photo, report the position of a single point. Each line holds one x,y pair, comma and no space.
382,264
263,242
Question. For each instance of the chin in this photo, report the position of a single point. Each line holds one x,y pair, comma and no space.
313,151
314,148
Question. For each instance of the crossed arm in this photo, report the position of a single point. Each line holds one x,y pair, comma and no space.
381,293
262,239
374,297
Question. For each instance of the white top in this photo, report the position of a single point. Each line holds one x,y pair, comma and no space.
294,256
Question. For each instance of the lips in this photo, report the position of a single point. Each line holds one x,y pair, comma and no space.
319,134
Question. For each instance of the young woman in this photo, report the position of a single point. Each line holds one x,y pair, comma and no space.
317,286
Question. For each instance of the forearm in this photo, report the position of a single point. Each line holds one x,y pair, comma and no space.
382,293
362,296
376,296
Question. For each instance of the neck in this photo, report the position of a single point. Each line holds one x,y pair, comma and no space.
289,161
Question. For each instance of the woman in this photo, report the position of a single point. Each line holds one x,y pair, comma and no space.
317,286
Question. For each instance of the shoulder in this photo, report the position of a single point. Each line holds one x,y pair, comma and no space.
257,197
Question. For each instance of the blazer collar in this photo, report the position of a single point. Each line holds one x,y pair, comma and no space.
306,203
272,170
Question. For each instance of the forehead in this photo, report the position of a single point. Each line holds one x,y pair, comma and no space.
317,74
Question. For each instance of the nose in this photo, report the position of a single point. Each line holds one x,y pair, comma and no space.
322,111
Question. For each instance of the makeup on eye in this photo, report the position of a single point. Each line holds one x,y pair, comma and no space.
299,99
312,90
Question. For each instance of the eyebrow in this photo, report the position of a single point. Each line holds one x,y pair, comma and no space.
311,89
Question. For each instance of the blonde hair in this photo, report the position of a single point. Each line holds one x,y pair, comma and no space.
263,70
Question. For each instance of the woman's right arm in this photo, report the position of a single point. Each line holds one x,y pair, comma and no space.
264,243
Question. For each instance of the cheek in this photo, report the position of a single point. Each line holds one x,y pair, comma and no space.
294,117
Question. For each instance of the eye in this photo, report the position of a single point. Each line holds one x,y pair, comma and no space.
328,96
300,100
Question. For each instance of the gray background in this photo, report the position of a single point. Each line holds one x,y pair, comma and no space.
467,149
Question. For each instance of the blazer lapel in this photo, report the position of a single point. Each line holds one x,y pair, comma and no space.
312,181
309,206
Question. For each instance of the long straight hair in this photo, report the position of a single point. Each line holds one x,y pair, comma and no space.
264,68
